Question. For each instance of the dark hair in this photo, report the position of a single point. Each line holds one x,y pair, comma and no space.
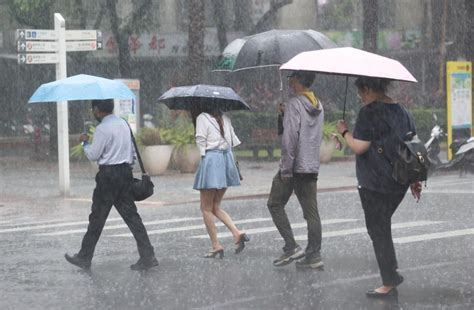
373,83
306,78
106,105
213,110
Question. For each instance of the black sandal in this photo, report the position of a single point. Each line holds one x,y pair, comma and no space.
214,254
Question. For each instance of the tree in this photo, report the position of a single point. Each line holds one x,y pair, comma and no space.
195,41
469,26
122,31
267,21
242,11
370,25
219,15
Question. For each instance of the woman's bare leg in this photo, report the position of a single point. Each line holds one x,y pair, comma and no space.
207,197
223,216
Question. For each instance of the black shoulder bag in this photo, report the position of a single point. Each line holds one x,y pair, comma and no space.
410,163
141,188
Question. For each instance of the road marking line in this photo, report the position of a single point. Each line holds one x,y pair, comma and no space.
360,230
67,232
273,228
434,191
185,228
16,229
240,302
19,224
159,203
449,182
432,236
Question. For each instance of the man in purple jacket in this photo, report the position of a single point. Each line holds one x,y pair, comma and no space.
299,166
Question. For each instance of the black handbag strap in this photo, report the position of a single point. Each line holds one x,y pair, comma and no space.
136,149
223,136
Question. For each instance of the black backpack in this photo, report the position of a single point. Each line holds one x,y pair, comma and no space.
409,157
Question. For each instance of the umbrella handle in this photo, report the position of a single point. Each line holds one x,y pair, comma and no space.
281,81
345,99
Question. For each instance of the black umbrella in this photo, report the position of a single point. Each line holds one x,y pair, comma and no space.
187,97
270,48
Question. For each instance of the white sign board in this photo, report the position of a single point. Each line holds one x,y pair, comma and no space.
37,46
129,109
36,34
45,58
78,46
82,35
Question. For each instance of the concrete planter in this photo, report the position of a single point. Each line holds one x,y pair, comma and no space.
156,158
187,158
327,148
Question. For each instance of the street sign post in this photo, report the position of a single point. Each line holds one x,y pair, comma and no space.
36,34
62,109
44,58
37,46
41,46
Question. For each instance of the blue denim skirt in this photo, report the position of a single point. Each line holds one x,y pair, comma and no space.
216,170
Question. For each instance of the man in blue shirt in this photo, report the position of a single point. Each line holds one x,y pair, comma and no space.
113,150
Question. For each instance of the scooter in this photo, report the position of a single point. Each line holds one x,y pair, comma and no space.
463,150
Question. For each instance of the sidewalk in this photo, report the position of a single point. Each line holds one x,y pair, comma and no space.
23,179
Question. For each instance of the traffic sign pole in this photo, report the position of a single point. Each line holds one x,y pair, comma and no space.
42,46
62,109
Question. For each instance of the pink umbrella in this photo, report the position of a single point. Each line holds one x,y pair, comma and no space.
349,61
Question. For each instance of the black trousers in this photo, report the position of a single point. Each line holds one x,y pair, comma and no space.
378,210
113,187
305,187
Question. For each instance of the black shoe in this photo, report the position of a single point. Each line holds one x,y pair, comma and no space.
288,257
79,262
310,263
144,264
214,254
393,293
241,243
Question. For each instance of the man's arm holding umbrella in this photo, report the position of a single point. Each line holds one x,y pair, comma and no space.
95,150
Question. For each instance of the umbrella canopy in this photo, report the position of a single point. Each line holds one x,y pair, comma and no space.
349,61
270,48
81,87
186,97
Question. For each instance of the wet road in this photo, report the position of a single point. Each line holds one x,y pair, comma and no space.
433,239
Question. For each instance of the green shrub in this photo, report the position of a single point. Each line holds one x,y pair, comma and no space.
424,121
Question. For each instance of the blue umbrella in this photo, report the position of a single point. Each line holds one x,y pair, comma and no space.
185,97
81,87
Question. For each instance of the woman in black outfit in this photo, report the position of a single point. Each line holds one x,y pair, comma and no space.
379,193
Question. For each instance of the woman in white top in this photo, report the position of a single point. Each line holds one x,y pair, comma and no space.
215,138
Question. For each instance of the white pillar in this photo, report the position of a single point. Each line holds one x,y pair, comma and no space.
62,109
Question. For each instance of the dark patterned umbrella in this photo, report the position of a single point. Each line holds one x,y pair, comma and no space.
186,97
270,48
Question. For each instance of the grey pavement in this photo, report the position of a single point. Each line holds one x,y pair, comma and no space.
23,178
433,240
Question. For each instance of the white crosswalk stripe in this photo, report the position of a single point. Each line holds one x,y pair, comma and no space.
68,232
273,228
193,227
35,227
432,236
360,230
255,227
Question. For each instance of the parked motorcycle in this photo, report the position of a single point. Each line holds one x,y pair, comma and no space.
462,150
